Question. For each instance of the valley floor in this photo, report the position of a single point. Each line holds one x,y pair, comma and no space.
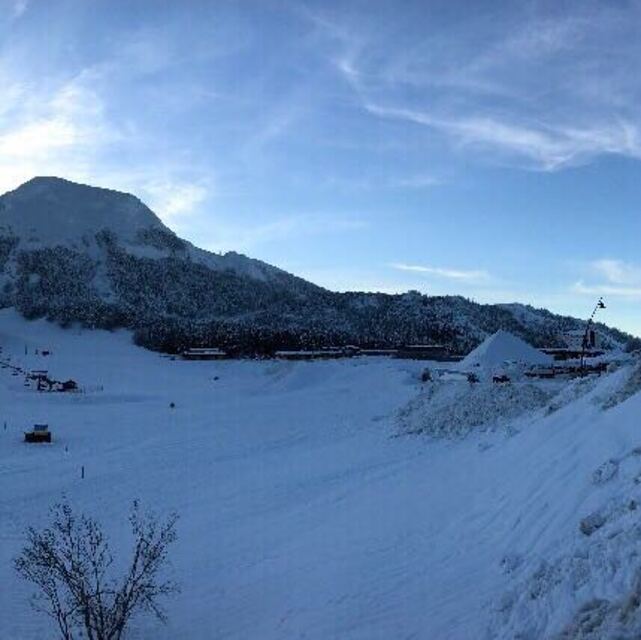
303,513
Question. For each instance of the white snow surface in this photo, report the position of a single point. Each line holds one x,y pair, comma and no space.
303,514
503,347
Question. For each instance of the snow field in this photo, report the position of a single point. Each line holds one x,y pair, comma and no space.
302,513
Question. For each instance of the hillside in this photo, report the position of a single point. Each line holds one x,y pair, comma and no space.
75,253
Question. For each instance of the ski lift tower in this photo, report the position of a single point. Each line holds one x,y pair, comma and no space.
584,345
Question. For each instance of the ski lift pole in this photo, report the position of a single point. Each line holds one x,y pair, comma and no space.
584,344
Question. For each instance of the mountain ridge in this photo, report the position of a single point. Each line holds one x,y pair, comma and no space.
77,253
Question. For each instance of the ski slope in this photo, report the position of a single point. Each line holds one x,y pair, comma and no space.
303,512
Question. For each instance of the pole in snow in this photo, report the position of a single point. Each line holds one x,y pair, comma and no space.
584,345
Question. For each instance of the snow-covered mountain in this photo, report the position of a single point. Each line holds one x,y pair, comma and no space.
76,253
52,212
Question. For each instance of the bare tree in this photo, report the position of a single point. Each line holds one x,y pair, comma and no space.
70,563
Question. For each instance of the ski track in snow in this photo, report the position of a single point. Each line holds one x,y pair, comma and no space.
301,514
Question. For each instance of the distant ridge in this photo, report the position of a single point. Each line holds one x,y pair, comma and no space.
76,253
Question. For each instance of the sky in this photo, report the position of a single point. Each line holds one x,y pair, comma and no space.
487,149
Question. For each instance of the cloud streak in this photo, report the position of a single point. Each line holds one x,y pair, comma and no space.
545,148
617,272
459,275
245,237
607,290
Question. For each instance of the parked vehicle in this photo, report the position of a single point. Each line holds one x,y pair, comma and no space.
39,433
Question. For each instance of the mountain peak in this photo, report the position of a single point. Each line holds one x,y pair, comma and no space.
51,210
46,181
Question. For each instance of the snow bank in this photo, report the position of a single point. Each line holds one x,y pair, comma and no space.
630,386
454,408
591,587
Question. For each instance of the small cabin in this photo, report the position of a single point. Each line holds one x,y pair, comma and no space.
424,352
378,352
310,354
204,353
39,433
68,385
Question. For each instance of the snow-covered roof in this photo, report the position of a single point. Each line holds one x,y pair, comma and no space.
504,347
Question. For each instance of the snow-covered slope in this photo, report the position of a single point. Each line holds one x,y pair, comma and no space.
302,511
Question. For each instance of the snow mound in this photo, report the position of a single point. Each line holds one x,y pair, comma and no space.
504,347
630,387
452,409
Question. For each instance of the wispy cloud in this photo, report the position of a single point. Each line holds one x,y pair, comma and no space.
65,128
543,146
542,97
175,199
39,138
607,290
415,181
612,277
244,237
19,7
617,272
52,133
460,275
411,182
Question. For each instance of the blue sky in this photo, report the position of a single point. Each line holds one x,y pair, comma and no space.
493,153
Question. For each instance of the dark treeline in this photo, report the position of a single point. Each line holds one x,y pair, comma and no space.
174,302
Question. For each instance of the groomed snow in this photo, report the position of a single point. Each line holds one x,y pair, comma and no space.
303,514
